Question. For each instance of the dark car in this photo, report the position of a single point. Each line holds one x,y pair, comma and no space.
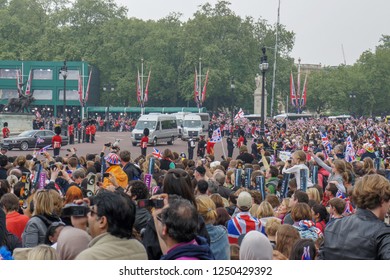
30,139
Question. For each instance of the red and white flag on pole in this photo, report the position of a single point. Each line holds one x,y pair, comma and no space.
80,89
196,90
293,95
304,91
88,87
204,87
138,88
147,88
239,115
29,81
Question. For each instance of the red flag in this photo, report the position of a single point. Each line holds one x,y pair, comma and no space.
196,92
80,90
204,87
293,95
28,86
88,87
138,89
147,88
304,91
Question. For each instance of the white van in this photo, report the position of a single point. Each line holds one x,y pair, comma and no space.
205,117
180,118
192,127
162,129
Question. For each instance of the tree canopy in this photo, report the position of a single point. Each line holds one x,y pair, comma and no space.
101,33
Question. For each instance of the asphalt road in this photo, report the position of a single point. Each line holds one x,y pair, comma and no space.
178,146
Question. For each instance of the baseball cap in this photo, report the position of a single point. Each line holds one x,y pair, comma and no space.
244,201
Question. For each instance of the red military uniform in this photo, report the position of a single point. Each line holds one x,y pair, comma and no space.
6,132
87,133
93,132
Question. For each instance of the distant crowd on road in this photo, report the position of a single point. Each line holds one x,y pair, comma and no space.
325,195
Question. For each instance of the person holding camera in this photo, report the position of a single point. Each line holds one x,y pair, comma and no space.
110,222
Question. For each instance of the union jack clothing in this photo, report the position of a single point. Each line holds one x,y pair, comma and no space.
242,223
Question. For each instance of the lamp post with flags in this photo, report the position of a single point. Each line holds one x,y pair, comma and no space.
142,95
83,95
263,68
298,98
200,97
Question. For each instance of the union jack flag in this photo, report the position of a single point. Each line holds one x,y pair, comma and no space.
326,144
156,153
350,151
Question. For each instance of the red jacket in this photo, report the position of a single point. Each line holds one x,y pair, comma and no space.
56,141
93,129
16,223
71,129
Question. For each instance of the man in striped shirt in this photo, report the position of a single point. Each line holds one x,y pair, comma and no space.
243,222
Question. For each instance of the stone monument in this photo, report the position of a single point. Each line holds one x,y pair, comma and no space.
14,114
257,97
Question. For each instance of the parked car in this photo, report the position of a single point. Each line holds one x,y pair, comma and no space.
30,139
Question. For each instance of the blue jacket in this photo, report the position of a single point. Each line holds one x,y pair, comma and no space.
219,242
200,251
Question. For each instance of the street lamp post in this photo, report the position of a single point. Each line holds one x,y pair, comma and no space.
232,87
263,68
352,96
64,74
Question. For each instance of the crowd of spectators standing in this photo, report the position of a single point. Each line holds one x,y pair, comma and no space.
110,205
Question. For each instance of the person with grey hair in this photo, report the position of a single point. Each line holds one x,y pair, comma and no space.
218,185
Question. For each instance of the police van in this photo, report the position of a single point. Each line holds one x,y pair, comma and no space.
192,127
162,129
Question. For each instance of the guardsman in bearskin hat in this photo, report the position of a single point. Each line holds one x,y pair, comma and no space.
56,140
92,129
5,130
144,141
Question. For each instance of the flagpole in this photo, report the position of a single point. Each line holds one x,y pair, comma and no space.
142,87
298,92
83,93
276,51
200,84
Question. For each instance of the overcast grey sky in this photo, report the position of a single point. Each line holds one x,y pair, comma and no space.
321,26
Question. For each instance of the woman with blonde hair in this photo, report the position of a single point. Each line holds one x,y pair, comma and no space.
298,163
313,194
43,215
265,212
42,252
283,208
219,243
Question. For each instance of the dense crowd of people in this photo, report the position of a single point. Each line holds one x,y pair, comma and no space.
325,195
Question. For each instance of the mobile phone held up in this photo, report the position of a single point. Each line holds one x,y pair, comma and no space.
106,175
156,203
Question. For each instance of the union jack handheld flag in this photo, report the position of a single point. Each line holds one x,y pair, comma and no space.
326,144
350,151
156,153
